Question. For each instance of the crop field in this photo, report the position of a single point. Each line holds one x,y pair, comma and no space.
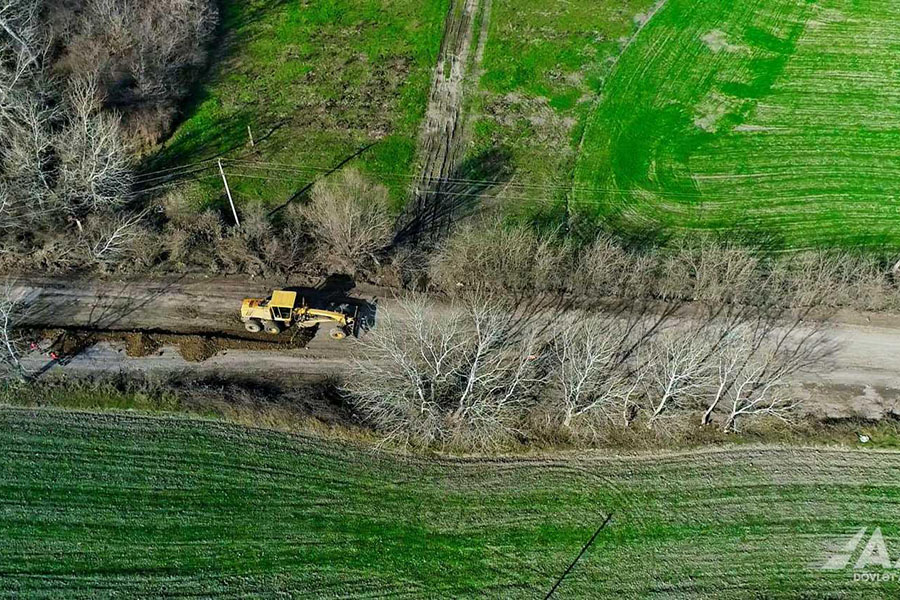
93,505
776,117
316,82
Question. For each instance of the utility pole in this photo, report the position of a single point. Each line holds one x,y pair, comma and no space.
250,133
228,193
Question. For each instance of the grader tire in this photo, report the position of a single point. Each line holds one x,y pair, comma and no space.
253,326
272,327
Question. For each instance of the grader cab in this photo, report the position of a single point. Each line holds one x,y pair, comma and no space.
280,311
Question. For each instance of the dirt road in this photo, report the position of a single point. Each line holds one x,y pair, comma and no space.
862,379
441,139
96,322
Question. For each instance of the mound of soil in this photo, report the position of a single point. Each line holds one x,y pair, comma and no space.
140,344
195,348
191,347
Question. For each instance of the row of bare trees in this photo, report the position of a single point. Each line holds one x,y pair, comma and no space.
518,260
486,369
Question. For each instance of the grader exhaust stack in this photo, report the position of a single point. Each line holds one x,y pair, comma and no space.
280,311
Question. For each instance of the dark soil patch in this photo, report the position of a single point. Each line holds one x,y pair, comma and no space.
66,343
196,348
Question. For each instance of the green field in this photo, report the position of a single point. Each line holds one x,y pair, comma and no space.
93,505
315,82
543,68
773,116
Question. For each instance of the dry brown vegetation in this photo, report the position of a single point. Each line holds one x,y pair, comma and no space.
350,220
517,260
580,343
144,55
68,72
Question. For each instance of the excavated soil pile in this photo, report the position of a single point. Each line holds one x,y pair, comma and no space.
140,344
65,343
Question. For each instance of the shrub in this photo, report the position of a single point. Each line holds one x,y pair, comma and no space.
350,220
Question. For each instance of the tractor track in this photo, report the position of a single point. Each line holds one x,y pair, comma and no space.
442,137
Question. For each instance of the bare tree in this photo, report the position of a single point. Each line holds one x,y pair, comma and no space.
605,269
350,219
757,388
446,375
496,369
111,237
26,116
589,368
10,343
19,21
677,373
414,357
94,164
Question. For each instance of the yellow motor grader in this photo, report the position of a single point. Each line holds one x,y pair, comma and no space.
280,311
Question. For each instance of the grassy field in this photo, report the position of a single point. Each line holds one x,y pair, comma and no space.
93,505
316,82
543,67
774,116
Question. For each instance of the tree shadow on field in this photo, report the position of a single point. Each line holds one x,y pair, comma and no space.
752,235
303,192
632,236
440,203
226,134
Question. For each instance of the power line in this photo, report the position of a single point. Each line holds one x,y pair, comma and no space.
583,196
284,167
199,162
174,176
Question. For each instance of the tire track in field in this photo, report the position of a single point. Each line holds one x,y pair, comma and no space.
642,21
440,145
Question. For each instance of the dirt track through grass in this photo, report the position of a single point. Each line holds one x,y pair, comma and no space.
91,505
441,143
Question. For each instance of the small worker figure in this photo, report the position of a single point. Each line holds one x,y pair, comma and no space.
54,356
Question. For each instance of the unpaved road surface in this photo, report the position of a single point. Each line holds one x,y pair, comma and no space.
861,379
174,313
